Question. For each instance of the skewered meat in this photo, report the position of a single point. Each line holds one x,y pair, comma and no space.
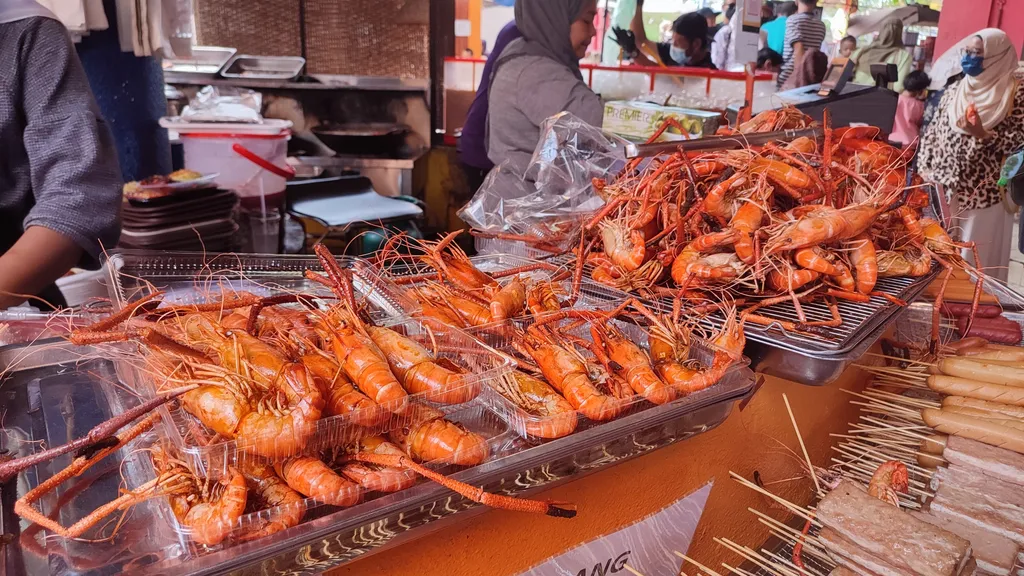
995,554
992,491
884,531
962,505
846,553
990,461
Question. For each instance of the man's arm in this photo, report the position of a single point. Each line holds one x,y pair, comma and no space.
798,52
36,260
636,26
76,181
643,45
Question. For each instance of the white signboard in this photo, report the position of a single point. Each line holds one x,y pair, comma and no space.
646,546
746,30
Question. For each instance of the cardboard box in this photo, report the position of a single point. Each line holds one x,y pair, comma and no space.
640,120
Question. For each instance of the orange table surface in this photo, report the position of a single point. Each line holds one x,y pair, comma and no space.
758,438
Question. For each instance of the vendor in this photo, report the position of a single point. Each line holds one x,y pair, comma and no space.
689,45
980,120
888,48
473,142
60,185
538,76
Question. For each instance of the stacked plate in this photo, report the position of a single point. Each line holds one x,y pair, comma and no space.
196,220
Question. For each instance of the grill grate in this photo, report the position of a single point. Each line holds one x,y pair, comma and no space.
859,319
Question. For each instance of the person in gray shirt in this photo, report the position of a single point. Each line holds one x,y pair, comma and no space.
60,185
538,76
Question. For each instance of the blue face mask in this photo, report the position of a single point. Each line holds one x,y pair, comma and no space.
972,64
679,55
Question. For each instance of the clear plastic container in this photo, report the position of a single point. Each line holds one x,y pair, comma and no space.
477,416
193,277
210,457
527,423
593,296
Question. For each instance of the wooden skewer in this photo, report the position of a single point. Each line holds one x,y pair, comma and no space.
742,572
810,465
871,437
892,371
792,507
695,563
857,450
905,399
752,556
866,474
899,449
904,385
870,408
796,534
918,362
892,422
789,563
818,554
894,405
631,570
905,429
885,410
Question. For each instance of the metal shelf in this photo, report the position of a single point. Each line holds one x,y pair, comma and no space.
321,82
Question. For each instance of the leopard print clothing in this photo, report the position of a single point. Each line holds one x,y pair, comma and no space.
965,165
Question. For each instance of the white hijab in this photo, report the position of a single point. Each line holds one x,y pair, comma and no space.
992,91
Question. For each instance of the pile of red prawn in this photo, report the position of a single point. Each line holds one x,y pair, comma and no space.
800,221
261,372
573,359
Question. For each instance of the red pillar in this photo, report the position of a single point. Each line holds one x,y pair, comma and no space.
959,18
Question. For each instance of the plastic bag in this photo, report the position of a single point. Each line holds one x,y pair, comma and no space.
224,104
556,193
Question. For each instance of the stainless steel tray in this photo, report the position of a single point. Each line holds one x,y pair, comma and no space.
36,411
185,277
806,359
264,67
814,360
205,62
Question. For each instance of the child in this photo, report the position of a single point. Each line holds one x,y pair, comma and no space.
910,109
847,45
769,60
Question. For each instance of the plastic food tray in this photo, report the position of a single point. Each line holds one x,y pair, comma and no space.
522,421
476,416
593,296
328,537
191,437
192,277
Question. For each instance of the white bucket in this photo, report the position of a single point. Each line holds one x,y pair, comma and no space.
209,153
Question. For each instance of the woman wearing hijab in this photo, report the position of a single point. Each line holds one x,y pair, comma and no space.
60,185
538,76
888,48
980,120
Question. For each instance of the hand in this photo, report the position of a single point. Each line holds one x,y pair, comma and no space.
971,124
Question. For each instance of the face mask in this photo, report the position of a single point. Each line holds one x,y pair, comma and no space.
971,64
679,55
